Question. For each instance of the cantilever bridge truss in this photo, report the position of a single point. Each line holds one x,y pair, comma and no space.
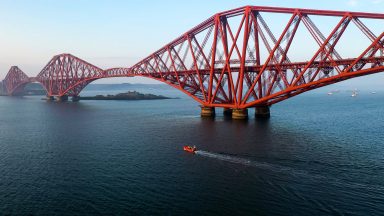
246,57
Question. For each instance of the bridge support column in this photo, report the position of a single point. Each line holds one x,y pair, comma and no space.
50,98
62,98
262,112
208,112
76,98
240,114
227,112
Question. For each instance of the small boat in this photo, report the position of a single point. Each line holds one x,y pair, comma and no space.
330,93
354,93
190,149
373,92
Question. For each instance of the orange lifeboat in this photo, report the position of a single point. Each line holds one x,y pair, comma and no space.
190,149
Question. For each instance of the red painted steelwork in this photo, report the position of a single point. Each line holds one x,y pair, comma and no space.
15,80
221,62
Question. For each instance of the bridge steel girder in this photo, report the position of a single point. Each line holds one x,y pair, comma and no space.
15,80
66,74
219,63
234,59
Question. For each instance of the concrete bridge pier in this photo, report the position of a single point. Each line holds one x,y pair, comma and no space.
63,98
262,112
50,98
240,114
208,112
227,112
75,98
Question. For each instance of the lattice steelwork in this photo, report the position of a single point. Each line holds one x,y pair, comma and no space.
67,75
237,59
15,80
219,62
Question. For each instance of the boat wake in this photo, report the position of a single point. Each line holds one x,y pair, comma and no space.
239,160
276,168
301,174
223,157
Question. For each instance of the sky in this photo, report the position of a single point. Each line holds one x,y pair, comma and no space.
119,33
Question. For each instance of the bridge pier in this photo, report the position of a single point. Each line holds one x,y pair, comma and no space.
76,98
262,112
50,98
227,112
208,112
240,114
63,98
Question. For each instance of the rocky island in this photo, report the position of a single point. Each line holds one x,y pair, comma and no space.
131,95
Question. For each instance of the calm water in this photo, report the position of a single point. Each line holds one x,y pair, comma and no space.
317,155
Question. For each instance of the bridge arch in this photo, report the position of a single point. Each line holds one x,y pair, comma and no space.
66,74
20,90
15,81
79,86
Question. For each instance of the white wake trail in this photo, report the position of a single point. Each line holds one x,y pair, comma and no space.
251,163
224,157
239,160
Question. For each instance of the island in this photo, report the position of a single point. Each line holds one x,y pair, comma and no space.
131,95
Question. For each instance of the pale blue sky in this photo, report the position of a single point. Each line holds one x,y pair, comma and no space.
111,33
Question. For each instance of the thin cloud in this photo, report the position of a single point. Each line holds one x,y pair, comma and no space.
353,3
377,1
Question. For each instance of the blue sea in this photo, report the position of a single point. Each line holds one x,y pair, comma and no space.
318,154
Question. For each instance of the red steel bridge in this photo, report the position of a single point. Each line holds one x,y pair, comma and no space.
236,60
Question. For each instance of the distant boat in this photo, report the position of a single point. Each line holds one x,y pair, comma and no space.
333,92
373,92
354,93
